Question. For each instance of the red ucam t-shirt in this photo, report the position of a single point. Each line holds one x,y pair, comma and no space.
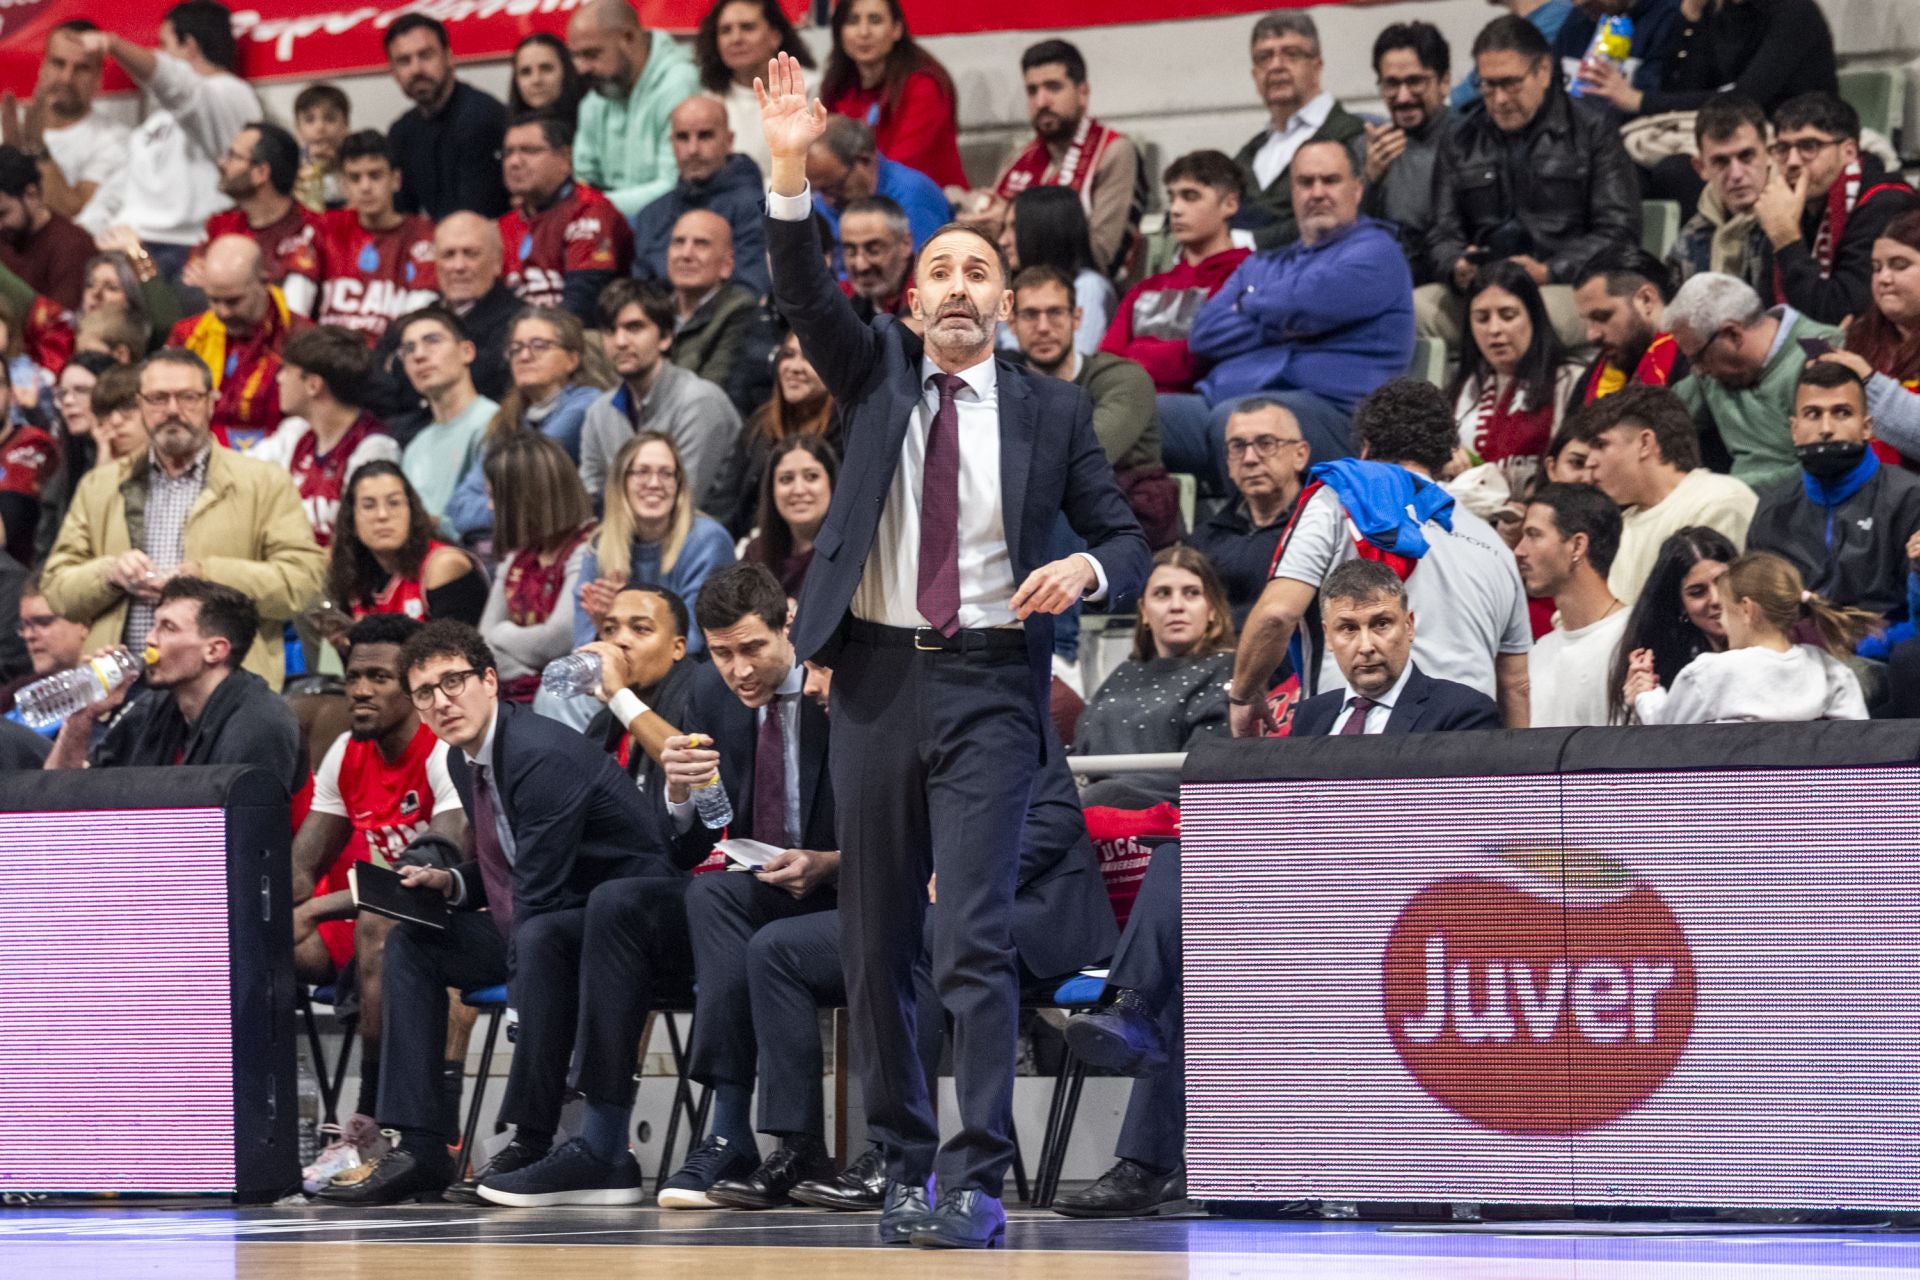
374,277
290,247
579,231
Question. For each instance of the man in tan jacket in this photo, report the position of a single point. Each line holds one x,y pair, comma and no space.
187,507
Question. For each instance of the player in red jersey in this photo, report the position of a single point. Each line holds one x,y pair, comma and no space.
383,783
29,457
257,173
563,242
378,262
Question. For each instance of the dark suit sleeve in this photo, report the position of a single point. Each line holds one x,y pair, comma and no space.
549,797
1098,512
1463,708
1312,718
838,345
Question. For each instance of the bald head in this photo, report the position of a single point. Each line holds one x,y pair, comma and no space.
701,139
699,256
233,274
608,46
466,256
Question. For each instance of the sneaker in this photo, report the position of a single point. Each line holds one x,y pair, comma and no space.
570,1174
513,1157
359,1141
712,1160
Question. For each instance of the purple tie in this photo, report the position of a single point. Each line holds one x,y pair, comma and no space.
495,872
770,782
939,594
1357,722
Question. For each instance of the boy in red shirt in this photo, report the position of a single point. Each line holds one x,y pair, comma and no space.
378,262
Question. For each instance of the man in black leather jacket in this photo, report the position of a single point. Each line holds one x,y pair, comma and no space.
1529,175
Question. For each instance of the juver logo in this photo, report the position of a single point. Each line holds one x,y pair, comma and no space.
1536,1010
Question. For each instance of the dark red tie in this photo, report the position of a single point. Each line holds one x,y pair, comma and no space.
770,782
495,872
1357,722
939,594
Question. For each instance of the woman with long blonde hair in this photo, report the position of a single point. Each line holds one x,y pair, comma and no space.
650,533
1762,676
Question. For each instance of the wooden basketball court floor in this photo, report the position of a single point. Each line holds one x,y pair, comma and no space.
424,1242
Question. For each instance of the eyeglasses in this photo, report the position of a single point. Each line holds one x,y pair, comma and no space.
531,347
1505,86
1034,315
37,622
188,400
1807,147
665,475
1705,347
1260,446
72,393
452,684
1295,54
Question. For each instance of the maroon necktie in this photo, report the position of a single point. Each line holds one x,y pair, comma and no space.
939,594
495,872
1357,722
770,782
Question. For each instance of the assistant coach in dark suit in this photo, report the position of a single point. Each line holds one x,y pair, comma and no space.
1369,631
1141,1032
550,818
931,596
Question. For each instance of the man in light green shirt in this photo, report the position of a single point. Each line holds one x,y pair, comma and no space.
438,358
624,144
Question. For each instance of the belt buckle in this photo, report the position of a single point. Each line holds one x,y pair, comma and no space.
919,632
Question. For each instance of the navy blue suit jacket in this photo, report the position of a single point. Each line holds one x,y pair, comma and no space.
1426,705
1050,460
577,818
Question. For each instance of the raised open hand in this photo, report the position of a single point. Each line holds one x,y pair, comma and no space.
788,119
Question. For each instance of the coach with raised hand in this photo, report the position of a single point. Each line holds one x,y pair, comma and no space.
932,598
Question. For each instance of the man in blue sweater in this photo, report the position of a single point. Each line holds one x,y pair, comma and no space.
1314,325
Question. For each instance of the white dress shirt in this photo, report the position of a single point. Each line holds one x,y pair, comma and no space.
1276,153
1380,712
480,758
890,584
787,701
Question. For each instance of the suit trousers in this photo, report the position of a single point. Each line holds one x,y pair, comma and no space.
725,911
1148,961
793,971
933,757
418,967
635,956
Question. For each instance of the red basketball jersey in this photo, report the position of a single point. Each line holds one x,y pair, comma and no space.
388,804
290,246
581,231
375,277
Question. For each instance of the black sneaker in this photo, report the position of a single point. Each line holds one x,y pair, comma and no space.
571,1174
514,1156
712,1160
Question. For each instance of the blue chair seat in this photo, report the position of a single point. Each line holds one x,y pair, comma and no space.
324,995
485,997
1081,988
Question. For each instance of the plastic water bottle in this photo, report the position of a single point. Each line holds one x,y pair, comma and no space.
1612,42
307,1098
711,803
576,675
49,701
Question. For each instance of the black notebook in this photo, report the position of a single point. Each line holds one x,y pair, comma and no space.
380,891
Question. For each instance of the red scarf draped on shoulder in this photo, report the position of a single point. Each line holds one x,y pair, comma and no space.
1029,168
532,590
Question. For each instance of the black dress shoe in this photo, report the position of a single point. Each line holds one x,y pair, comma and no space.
514,1156
904,1207
969,1219
1123,1037
397,1177
1128,1190
860,1187
772,1184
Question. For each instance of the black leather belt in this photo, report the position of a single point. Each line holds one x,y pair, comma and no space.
992,641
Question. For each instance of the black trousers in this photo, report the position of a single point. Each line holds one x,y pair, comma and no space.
1148,961
635,956
419,965
725,910
932,759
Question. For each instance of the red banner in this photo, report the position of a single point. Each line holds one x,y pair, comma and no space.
296,40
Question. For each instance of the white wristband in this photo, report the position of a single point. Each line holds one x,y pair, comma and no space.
626,705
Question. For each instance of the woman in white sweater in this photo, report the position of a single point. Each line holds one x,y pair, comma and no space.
1762,675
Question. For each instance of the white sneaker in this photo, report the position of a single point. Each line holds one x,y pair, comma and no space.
359,1141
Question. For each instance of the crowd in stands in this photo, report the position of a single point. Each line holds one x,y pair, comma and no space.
386,421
